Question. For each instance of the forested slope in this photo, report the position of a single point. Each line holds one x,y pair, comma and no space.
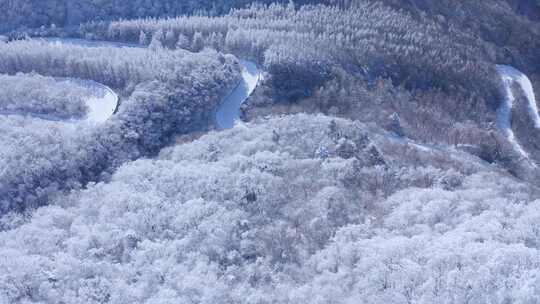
510,24
165,93
303,209
37,13
411,174
35,94
363,59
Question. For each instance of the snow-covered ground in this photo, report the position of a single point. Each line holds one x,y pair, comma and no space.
511,76
229,110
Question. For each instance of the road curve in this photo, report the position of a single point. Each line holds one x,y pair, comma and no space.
101,104
229,109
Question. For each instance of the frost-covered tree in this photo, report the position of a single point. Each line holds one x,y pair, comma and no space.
198,42
143,38
182,42
29,94
155,43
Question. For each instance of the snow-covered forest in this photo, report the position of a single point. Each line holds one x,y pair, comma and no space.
164,93
40,95
236,151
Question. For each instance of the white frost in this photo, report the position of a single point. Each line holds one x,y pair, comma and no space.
229,110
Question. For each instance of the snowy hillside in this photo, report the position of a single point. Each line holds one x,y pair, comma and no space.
237,151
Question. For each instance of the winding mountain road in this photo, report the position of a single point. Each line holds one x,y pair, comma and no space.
229,109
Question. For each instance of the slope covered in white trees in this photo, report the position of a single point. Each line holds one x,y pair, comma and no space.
282,211
386,155
164,93
47,97
362,60
65,13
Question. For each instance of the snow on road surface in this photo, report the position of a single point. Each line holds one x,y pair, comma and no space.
229,110
101,104
510,76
